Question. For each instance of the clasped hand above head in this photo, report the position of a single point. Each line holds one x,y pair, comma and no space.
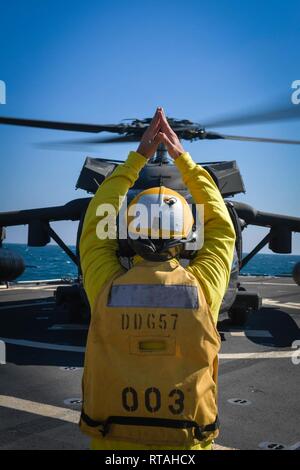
159,131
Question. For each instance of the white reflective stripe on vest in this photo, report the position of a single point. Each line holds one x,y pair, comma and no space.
155,296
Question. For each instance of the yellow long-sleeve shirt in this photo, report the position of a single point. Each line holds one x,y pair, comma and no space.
212,264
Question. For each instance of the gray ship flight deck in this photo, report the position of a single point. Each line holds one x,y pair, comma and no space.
40,381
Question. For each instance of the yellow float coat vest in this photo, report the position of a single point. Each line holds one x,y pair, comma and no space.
151,361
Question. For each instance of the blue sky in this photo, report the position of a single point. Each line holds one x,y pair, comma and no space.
103,61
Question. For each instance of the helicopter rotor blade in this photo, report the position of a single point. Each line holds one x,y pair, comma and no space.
62,126
273,114
71,144
258,139
117,140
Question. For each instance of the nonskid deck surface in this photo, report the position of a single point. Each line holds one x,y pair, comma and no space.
40,384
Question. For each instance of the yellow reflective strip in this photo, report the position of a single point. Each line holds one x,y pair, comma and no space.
152,345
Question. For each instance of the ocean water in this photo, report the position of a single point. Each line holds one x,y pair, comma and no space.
50,262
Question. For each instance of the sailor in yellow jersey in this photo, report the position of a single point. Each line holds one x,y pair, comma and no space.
154,386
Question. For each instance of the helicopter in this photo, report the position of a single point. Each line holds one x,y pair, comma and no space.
238,303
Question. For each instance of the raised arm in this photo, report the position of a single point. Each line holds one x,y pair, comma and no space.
99,260
212,264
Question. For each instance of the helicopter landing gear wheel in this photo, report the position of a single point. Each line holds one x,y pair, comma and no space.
243,306
239,316
71,304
